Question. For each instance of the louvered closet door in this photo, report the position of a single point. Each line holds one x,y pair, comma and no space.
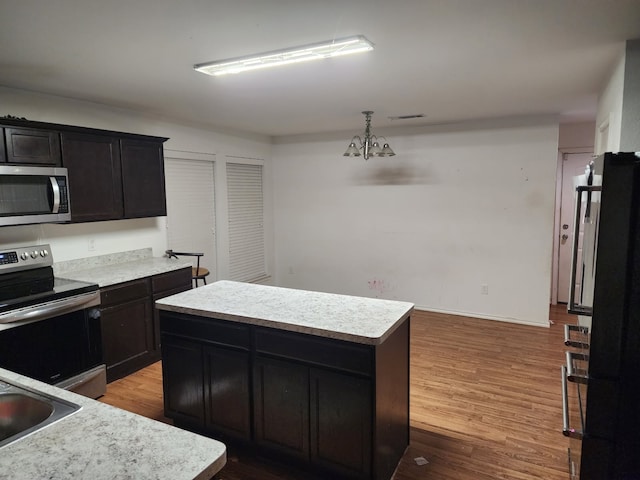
246,222
191,210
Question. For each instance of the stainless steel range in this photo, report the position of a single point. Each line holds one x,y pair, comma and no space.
49,327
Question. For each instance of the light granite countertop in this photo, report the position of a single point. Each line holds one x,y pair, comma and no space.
100,442
118,268
343,317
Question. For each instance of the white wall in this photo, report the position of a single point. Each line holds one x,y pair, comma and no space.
456,208
609,116
576,137
71,241
630,131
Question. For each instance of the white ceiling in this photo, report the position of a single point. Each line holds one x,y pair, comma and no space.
452,60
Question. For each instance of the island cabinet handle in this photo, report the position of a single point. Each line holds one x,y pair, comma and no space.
567,431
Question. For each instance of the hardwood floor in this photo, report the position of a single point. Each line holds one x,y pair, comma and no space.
485,403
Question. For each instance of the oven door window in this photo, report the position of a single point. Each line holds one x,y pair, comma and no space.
54,349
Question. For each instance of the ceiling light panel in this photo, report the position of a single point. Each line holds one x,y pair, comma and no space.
316,51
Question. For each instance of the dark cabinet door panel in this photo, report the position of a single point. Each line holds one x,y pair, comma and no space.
341,422
32,147
182,374
3,151
127,336
95,178
281,406
228,406
143,179
162,286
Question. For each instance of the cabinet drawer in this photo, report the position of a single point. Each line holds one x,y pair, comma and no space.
331,353
171,280
216,332
124,292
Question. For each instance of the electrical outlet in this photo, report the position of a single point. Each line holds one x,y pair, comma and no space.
92,245
484,289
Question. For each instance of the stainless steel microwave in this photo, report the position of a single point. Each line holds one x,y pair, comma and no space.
33,195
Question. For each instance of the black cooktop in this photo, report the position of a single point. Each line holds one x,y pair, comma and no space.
36,286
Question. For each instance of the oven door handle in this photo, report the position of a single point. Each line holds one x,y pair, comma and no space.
52,309
567,431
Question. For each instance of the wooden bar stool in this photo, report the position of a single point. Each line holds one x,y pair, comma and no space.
197,272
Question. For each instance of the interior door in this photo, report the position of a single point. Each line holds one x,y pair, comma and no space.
191,210
573,164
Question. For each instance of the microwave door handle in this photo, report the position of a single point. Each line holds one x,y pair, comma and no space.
55,188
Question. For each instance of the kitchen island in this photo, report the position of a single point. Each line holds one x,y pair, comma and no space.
316,379
100,442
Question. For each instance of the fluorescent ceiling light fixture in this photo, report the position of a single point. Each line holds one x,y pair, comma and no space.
316,51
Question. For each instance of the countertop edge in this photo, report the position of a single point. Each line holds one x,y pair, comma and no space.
320,332
109,275
210,458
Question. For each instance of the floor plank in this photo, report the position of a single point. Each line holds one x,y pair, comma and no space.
485,403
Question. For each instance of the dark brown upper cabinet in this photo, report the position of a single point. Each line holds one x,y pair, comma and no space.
143,178
3,149
112,175
95,176
29,146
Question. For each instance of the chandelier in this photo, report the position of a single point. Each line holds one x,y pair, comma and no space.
369,146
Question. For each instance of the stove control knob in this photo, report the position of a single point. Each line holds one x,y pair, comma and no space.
43,253
24,255
34,254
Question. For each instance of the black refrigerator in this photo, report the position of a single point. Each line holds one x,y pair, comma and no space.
601,378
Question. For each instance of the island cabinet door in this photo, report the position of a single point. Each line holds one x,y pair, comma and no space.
281,406
341,422
182,378
227,392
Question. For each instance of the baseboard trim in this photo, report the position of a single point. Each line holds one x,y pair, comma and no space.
484,317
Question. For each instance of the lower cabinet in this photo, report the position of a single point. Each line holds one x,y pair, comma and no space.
313,414
341,428
281,406
182,375
227,392
127,327
331,405
129,323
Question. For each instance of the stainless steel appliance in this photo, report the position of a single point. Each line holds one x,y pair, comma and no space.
49,327
33,195
601,378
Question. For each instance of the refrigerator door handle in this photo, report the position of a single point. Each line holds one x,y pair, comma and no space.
567,431
579,330
576,373
574,307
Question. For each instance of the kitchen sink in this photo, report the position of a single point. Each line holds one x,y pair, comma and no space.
24,411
